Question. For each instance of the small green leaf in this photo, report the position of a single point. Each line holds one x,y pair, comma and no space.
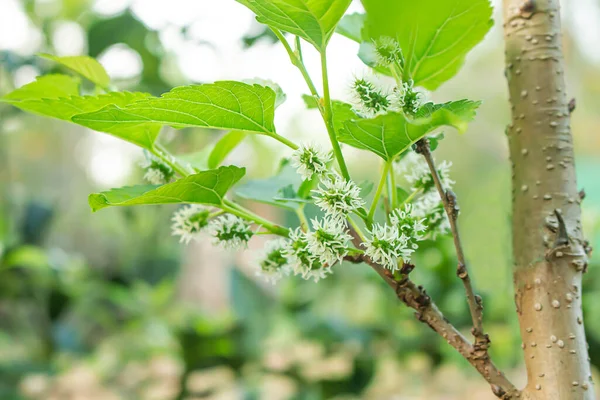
224,146
401,194
280,96
274,191
434,140
219,105
312,20
311,102
435,35
366,187
206,187
351,26
86,66
50,86
390,134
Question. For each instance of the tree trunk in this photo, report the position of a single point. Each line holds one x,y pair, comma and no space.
548,244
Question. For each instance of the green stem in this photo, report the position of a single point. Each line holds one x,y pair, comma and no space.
411,196
302,67
216,214
328,117
283,140
353,252
380,187
394,194
397,75
296,59
302,218
236,209
357,229
159,151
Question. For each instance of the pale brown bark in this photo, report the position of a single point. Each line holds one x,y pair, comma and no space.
548,245
427,312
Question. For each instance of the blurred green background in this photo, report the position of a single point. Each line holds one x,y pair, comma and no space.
110,306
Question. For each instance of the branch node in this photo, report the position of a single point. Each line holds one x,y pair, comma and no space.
479,302
452,202
407,268
422,146
572,105
461,271
562,237
527,9
498,391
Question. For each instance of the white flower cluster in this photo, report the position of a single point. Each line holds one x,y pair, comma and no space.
312,253
396,242
388,52
428,206
157,172
337,196
189,221
310,160
229,231
308,254
407,98
369,99
302,261
417,173
273,263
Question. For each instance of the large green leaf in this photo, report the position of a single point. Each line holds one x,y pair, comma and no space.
219,105
50,86
435,35
66,107
57,96
312,20
390,134
86,66
206,187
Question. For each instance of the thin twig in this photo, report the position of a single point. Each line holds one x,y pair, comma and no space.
452,209
427,312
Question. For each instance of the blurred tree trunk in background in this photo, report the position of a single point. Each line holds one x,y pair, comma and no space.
550,252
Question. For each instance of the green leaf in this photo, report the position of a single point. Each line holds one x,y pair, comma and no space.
351,26
141,133
86,66
434,140
435,35
366,187
219,105
311,102
390,134
401,194
57,96
342,112
312,20
224,146
50,86
280,96
275,190
206,187
66,107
